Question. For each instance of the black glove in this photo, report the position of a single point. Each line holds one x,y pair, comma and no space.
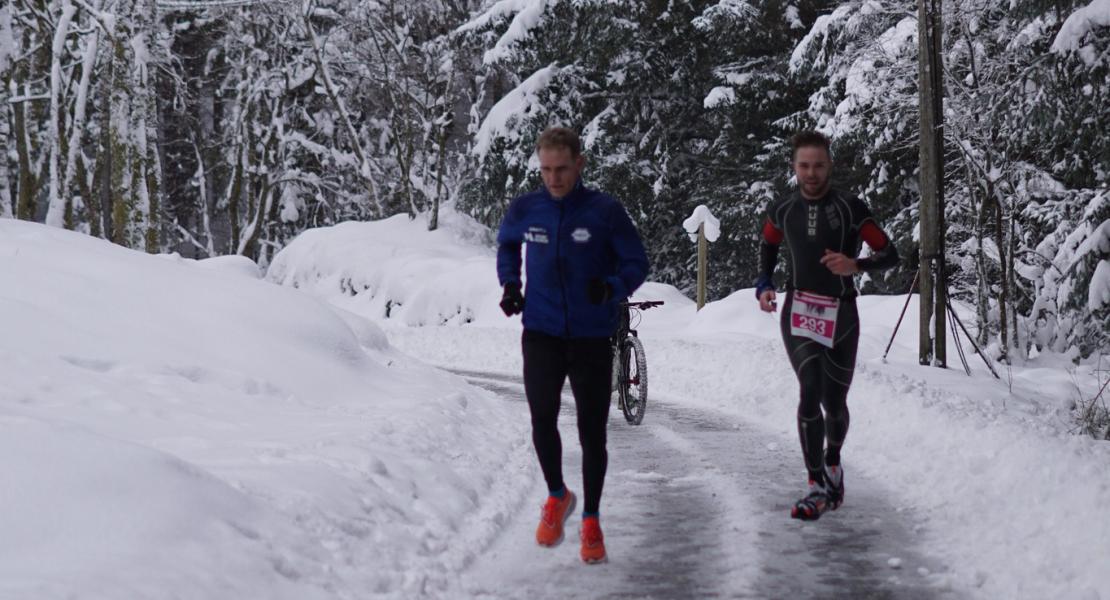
599,291
512,302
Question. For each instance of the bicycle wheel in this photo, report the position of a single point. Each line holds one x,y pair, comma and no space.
632,384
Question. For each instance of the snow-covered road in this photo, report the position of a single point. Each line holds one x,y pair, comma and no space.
696,506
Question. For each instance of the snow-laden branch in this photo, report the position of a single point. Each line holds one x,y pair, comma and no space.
726,13
366,167
527,15
1080,23
27,98
106,20
7,39
207,4
720,96
818,34
1098,294
505,112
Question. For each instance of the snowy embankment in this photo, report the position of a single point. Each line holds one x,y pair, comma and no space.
175,429
989,474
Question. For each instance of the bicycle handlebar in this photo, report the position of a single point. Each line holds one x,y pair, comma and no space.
643,305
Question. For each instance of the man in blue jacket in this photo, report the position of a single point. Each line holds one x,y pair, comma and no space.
584,257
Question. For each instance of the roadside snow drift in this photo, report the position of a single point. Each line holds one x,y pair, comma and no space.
174,429
396,269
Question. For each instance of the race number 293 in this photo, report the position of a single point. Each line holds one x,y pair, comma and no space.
813,316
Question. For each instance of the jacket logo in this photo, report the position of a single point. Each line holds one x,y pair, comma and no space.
581,235
832,216
536,235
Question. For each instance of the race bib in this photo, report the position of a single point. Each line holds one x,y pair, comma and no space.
813,316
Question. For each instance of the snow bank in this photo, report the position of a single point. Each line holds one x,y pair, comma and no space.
174,429
396,269
90,516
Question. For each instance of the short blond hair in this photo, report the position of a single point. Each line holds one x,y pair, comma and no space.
560,137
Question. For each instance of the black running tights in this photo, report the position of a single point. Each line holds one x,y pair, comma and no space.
824,376
548,362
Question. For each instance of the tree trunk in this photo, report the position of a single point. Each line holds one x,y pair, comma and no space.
120,175
203,188
7,210
235,191
207,147
103,167
26,182
1004,293
441,164
272,216
267,186
92,205
1011,282
153,186
77,129
59,205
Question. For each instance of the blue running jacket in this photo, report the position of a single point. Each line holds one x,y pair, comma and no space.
586,235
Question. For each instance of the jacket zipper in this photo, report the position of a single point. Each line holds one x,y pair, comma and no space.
559,267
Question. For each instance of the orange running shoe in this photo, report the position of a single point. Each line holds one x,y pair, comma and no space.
552,516
593,543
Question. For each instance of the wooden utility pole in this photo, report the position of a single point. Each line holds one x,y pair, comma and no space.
933,283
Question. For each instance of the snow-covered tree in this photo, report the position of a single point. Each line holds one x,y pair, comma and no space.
1021,120
212,126
679,105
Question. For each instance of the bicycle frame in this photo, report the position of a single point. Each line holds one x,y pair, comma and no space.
626,347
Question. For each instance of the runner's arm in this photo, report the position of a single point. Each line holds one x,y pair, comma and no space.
632,261
884,254
509,240
768,257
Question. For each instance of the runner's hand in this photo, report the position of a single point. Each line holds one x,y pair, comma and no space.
839,264
598,291
767,301
512,302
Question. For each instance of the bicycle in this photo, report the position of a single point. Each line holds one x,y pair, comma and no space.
630,379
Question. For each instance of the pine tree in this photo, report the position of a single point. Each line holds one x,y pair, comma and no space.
662,132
